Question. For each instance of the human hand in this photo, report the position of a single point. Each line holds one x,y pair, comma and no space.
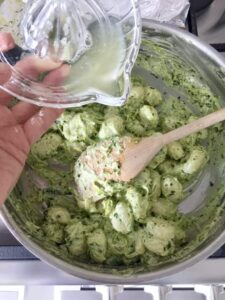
24,123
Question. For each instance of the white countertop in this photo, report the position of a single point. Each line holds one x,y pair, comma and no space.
37,272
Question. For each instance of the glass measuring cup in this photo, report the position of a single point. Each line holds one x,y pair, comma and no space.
99,43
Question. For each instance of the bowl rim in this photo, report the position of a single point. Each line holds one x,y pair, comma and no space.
73,270
93,276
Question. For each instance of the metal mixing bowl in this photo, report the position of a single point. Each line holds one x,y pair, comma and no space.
210,67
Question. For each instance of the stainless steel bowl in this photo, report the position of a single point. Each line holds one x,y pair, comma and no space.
190,52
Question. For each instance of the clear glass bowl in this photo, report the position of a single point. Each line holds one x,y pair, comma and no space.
206,197
123,14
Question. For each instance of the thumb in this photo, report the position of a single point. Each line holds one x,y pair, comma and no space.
5,73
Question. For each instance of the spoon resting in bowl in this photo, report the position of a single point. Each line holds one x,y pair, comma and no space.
121,159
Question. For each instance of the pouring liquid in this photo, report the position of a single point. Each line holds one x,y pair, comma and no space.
100,68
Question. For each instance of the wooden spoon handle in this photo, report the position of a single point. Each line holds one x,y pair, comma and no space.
135,158
194,126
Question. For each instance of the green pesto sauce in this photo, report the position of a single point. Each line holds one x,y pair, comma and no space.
136,226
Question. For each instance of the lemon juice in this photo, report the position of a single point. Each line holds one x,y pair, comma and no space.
100,68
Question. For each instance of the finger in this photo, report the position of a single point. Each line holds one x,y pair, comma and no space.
24,111
6,117
12,158
5,97
5,73
57,76
37,125
6,41
33,66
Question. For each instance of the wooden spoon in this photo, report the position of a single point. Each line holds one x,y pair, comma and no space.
136,157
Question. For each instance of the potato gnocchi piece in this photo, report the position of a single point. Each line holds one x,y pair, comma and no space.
156,185
135,128
77,246
161,236
137,92
169,123
108,206
175,151
189,141
122,218
152,96
159,246
164,208
112,126
74,148
160,228
172,189
139,203
75,229
149,116
143,181
135,245
196,161
80,127
59,215
117,243
47,146
75,236
97,245
54,232
185,171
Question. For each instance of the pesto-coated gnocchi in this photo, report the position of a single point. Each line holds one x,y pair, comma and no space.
172,189
97,242
129,222
59,215
122,218
112,126
175,150
149,116
54,232
139,203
